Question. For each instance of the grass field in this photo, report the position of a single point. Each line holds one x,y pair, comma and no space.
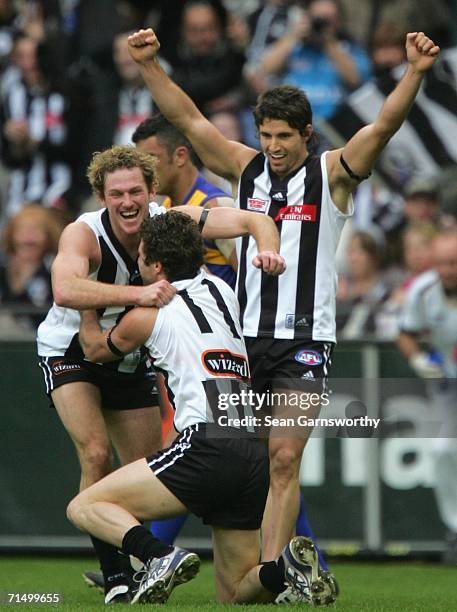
365,587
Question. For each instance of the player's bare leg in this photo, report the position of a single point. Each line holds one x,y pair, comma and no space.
78,406
284,493
121,500
112,510
135,433
236,566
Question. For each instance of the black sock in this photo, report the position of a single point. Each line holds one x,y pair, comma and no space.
110,562
140,543
271,576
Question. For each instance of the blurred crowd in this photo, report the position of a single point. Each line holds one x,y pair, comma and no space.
68,88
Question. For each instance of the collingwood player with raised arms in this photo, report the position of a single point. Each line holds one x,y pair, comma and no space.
289,323
213,471
96,267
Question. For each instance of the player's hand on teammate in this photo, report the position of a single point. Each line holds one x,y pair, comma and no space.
143,45
270,262
158,294
421,51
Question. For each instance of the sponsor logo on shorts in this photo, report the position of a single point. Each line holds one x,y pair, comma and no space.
257,205
61,368
309,358
224,363
302,212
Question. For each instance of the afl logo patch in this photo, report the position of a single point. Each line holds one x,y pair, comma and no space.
309,358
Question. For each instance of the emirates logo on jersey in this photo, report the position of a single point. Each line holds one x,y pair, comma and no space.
224,363
301,212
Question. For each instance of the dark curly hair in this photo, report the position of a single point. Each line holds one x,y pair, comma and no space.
286,103
175,240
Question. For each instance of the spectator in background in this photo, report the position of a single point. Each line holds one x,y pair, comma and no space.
317,57
266,25
430,314
387,48
417,258
208,67
8,30
421,204
362,291
30,242
134,102
421,200
417,242
35,130
435,16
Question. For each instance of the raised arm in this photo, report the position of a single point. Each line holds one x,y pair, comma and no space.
233,223
110,345
224,157
364,148
78,254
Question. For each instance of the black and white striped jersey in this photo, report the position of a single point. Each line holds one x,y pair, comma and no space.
197,343
134,106
43,175
58,333
300,303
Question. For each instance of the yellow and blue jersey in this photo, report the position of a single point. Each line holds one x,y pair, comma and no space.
199,194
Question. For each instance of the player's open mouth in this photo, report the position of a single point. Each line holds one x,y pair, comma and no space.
277,157
129,214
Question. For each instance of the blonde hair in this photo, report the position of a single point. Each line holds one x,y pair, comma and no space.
50,221
424,229
117,158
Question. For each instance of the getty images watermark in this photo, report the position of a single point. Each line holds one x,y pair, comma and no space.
292,410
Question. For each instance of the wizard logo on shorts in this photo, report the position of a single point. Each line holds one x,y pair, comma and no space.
224,363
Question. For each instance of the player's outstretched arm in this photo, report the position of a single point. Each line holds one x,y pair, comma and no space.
232,223
225,158
363,149
78,253
110,345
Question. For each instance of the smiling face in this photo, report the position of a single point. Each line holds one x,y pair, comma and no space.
284,146
127,197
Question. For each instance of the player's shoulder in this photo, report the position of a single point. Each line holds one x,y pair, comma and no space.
224,288
256,163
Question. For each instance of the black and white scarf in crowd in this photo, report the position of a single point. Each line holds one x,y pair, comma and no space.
427,141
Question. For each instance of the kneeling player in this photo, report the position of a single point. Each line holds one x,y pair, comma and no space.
220,474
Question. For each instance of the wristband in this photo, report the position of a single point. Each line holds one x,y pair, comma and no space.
203,217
